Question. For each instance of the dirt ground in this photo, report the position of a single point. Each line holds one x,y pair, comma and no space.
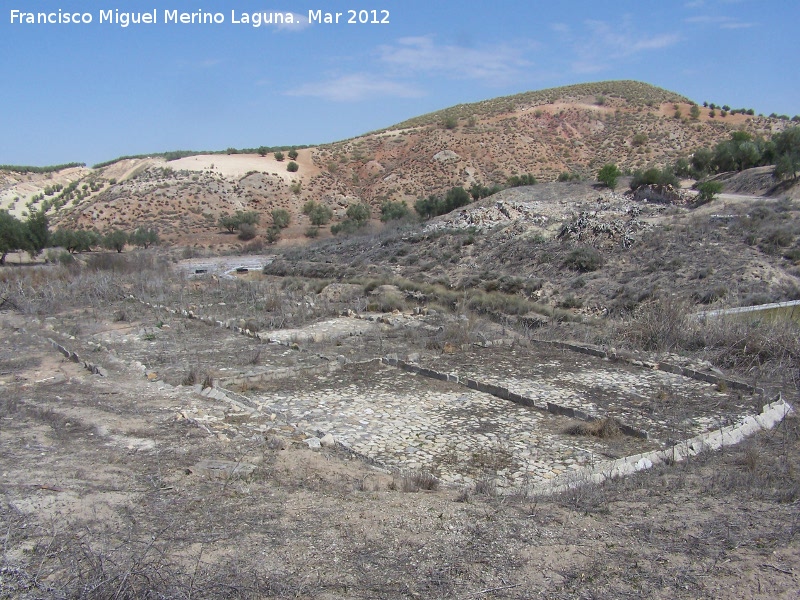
108,490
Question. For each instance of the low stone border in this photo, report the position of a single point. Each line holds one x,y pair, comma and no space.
73,356
712,378
771,415
506,394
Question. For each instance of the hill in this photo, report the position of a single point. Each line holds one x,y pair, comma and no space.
545,133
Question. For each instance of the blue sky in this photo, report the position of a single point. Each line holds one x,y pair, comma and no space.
92,92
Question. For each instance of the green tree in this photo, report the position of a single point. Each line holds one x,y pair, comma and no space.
278,156
228,222
608,175
391,211
787,153
358,213
145,237
318,214
694,112
292,167
654,176
262,150
520,180
281,218
293,154
37,233
708,190
702,161
273,234
115,240
12,234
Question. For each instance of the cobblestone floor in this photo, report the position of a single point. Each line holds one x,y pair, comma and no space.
405,421
665,405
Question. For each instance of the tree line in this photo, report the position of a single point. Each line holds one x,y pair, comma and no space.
33,235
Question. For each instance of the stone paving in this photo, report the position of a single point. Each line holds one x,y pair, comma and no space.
666,405
408,422
405,421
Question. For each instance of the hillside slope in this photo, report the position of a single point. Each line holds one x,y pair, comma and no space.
574,129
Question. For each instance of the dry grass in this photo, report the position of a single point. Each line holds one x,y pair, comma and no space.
607,428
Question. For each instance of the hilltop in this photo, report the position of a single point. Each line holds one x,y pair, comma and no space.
573,129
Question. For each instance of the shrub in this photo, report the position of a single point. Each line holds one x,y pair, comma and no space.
247,231
608,175
654,176
293,154
273,235
280,218
520,180
318,214
708,190
584,259
292,167
278,156
391,211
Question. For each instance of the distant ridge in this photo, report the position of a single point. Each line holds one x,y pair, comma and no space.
635,93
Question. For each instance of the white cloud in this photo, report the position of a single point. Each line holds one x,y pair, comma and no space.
604,44
723,22
495,64
358,86
300,23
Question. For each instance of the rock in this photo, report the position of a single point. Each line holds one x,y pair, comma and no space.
445,156
152,376
327,440
313,442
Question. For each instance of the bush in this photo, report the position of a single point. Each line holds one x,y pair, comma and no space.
247,231
520,180
608,175
654,176
273,235
293,154
278,156
708,190
391,211
292,167
280,218
584,259
318,214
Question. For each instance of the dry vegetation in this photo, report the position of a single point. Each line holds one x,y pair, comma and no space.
87,516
